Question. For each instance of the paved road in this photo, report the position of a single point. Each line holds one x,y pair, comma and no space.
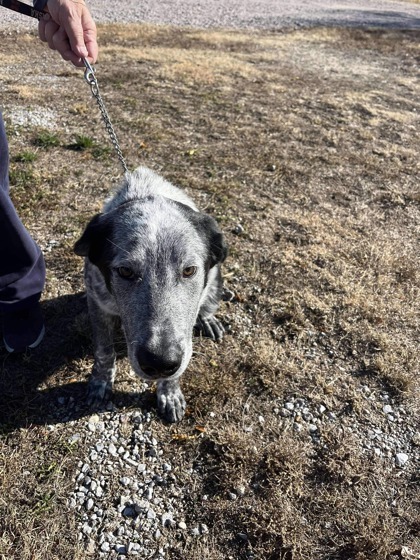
266,14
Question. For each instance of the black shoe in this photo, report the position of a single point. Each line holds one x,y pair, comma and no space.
23,329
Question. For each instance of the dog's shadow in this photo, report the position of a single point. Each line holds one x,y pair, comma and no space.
48,385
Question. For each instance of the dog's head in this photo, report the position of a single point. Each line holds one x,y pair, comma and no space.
158,258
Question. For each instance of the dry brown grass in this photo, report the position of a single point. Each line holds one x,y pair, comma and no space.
310,140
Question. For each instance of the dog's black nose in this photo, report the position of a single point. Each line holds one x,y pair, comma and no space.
157,365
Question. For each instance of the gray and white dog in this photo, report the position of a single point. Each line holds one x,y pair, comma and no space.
153,265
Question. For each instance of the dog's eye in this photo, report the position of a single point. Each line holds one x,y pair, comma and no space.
189,271
125,272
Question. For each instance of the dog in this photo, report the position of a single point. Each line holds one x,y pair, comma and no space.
152,265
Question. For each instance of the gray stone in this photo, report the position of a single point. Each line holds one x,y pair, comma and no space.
167,520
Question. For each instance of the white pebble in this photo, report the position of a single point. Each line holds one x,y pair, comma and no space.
105,547
151,514
241,490
401,459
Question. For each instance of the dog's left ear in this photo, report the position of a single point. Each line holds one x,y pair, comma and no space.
209,230
218,249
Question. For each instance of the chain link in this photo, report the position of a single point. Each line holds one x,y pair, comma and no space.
92,81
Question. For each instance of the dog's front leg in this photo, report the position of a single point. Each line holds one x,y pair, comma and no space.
171,402
104,366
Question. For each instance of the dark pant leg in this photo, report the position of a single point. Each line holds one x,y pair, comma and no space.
22,268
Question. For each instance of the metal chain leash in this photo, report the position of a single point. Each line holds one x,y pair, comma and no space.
92,81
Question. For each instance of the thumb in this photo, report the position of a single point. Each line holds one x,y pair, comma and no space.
75,35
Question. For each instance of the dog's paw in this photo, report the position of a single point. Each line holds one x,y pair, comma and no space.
97,392
210,327
171,401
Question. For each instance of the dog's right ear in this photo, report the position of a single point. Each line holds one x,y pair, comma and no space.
94,243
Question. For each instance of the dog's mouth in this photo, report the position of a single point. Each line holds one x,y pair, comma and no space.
156,375
152,374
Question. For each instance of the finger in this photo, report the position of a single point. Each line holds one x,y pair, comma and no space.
73,28
90,36
51,29
90,41
61,43
41,30
41,26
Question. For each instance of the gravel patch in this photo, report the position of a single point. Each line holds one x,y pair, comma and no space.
246,14
395,439
126,494
33,117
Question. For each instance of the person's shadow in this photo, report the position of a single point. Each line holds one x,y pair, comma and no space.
54,365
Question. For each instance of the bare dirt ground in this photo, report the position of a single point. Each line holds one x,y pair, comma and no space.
308,140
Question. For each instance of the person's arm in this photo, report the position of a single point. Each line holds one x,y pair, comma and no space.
69,29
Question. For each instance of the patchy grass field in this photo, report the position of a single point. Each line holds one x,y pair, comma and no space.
309,140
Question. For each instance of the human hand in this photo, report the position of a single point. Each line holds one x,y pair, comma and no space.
69,29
